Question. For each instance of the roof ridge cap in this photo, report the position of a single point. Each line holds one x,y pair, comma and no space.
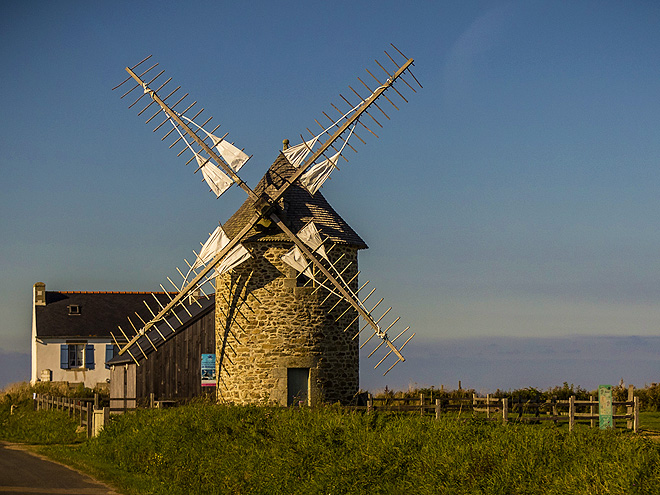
107,292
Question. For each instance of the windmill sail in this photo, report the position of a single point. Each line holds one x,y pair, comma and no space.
314,178
214,244
295,259
317,174
217,180
234,258
297,154
310,235
266,204
210,248
234,157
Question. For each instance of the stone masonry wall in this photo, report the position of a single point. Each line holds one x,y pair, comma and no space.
266,323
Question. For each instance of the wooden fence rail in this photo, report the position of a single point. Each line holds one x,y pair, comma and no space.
501,409
88,412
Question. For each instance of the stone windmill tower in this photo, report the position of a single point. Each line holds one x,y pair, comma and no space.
284,267
277,332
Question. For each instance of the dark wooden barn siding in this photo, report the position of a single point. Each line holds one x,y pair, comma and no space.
174,371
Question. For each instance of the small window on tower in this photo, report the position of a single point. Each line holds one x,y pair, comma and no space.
74,309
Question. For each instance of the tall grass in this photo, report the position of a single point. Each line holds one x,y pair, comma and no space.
210,449
20,423
205,448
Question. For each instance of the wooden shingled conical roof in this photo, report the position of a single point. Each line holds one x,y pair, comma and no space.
299,207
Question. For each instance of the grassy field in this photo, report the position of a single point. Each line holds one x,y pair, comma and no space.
217,449
650,421
211,449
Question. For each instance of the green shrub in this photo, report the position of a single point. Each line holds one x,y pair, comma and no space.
37,427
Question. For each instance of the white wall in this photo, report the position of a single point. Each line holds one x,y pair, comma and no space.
48,357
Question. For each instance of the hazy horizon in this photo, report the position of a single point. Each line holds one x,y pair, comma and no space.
486,364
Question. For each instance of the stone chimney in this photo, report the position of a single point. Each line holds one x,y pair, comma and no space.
39,294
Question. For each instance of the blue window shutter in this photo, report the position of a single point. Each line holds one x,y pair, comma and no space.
89,356
64,357
109,353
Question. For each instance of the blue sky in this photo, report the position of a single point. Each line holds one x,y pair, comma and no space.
515,196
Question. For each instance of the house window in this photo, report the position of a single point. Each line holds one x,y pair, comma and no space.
111,351
74,309
77,356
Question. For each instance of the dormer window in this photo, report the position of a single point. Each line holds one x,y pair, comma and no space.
74,309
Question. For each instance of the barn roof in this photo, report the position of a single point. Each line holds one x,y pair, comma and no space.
91,314
300,207
183,319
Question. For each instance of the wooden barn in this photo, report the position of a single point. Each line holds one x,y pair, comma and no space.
174,372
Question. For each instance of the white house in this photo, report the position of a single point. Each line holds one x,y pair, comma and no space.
71,339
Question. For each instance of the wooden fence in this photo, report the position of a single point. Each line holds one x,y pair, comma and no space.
489,408
573,410
497,409
88,412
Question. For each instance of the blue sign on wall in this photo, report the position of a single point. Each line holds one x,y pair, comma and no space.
208,370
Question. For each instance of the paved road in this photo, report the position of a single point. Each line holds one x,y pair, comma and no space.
22,472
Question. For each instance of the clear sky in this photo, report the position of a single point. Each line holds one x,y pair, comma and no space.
515,196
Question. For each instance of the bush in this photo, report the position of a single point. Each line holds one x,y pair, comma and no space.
24,424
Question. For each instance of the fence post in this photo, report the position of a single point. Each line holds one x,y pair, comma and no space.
487,406
635,414
370,404
505,410
90,420
437,408
629,408
96,400
591,411
571,413
421,404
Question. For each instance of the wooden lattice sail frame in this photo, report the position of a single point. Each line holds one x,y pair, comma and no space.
266,207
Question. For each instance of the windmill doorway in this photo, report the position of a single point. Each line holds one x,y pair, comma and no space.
297,387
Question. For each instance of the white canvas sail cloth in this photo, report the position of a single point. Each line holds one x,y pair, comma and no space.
233,156
294,258
216,243
210,248
297,154
314,178
217,180
234,258
310,235
318,173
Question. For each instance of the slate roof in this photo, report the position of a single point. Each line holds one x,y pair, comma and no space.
196,311
100,313
299,206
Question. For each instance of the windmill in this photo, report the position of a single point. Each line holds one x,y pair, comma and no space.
316,259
